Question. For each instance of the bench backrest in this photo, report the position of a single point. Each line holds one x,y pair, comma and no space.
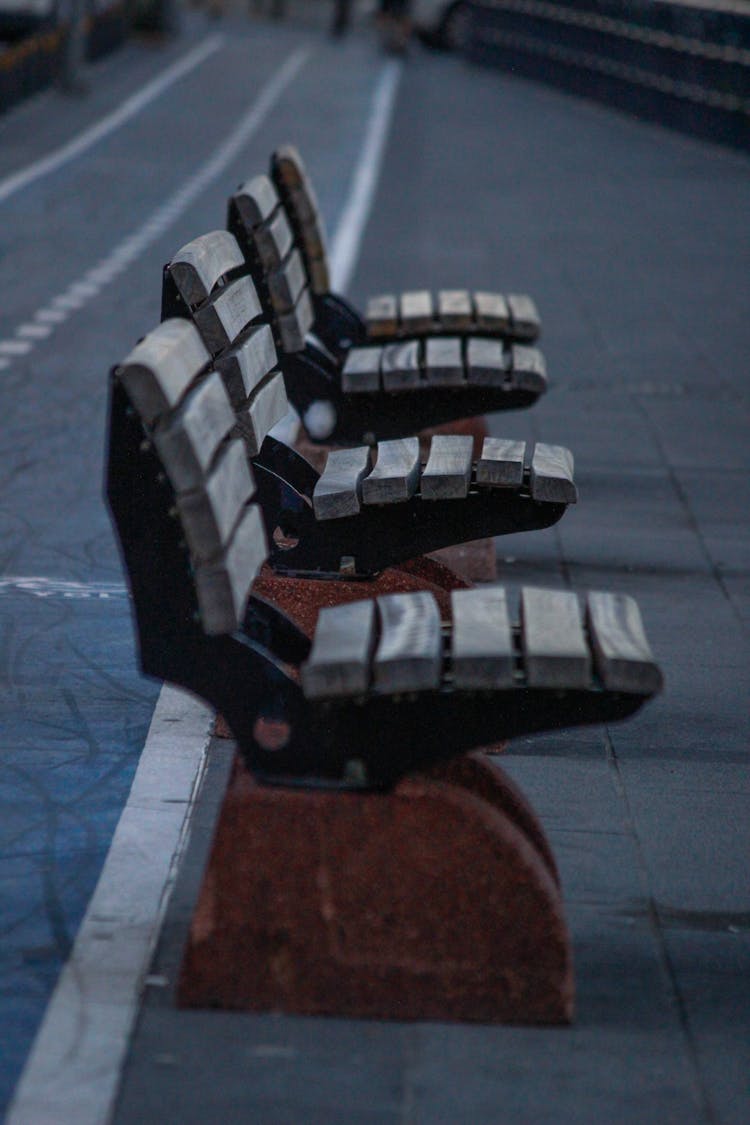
258,220
207,280
185,412
295,188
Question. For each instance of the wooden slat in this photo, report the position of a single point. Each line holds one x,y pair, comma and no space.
409,653
338,490
224,317
416,311
161,367
247,364
273,240
223,586
288,166
491,311
361,373
552,475
486,362
199,265
255,201
399,366
524,316
339,661
501,463
294,325
455,309
395,476
267,406
482,642
554,646
313,236
382,315
188,440
317,270
447,474
286,283
443,364
528,368
209,514
622,655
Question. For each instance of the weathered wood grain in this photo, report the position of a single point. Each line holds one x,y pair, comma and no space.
273,240
482,642
209,514
286,283
266,407
455,309
491,311
447,474
338,491
554,646
382,315
320,279
622,654
200,264
245,366
416,311
187,441
255,201
528,368
444,364
223,586
339,661
399,366
551,475
409,653
501,463
221,320
524,316
294,325
396,473
486,362
158,371
361,372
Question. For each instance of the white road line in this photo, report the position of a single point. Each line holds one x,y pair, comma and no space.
58,587
73,1071
80,292
346,241
129,108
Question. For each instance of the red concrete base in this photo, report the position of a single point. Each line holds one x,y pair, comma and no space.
432,901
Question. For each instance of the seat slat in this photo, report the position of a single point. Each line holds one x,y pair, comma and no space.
622,655
188,440
486,362
396,473
361,373
382,315
223,586
447,474
286,283
554,646
210,513
248,364
294,325
529,369
552,475
199,265
409,653
491,311
273,240
482,644
455,309
267,406
399,366
444,365
221,320
161,367
501,463
338,489
524,316
339,661
416,311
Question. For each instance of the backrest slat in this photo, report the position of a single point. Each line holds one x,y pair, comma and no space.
622,655
455,308
444,365
255,201
210,513
223,586
396,474
188,440
222,319
298,195
294,325
162,366
286,283
552,474
399,366
482,647
486,363
447,474
338,489
199,266
339,662
554,645
501,463
409,653
246,365
265,408
273,240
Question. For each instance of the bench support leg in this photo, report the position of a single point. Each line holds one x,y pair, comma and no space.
433,901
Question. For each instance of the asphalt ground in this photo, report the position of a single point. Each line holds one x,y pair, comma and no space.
634,241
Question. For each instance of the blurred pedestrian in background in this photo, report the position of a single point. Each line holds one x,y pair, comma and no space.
341,13
395,25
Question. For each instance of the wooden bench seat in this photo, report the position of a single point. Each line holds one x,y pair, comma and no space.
368,386
186,507
368,510
389,316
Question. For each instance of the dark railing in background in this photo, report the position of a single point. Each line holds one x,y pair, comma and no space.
684,64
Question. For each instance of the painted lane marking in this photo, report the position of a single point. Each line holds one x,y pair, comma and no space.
80,292
129,108
58,587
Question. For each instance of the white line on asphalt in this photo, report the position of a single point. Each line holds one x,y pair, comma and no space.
83,290
61,588
129,108
346,241
74,1067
